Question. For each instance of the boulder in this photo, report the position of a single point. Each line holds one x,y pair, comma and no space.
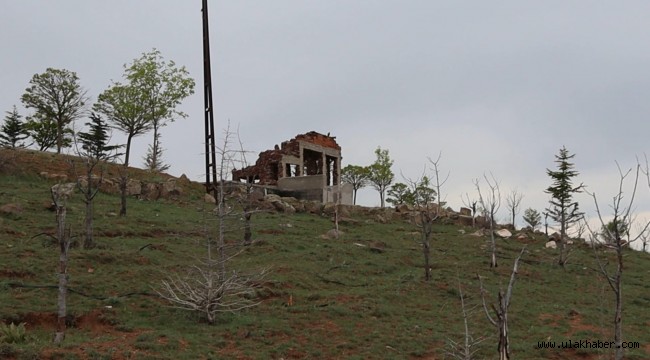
465,211
63,191
109,186
272,197
551,245
171,188
209,199
284,207
503,233
464,220
133,187
183,180
522,236
329,209
403,208
150,191
313,207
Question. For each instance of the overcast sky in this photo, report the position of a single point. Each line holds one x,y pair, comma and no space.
494,86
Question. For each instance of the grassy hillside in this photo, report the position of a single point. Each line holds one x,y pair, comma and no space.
324,298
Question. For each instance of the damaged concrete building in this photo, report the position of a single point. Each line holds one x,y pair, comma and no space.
307,167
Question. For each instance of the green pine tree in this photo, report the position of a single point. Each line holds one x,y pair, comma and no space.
94,150
13,131
563,209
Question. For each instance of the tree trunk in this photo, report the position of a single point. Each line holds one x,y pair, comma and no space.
561,259
88,239
247,226
354,200
618,314
503,340
426,249
124,177
381,197
154,164
59,137
63,238
493,260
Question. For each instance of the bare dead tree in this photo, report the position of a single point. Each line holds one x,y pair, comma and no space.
513,201
467,349
210,286
501,310
60,193
423,197
490,203
438,183
246,199
623,218
472,205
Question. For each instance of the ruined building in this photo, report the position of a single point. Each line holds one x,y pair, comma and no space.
307,167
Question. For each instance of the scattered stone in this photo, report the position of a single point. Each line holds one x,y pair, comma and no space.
11,209
478,233
522,236
503,233
209,199
462,231
334,234
551,245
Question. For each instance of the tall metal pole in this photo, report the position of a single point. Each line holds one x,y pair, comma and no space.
210,150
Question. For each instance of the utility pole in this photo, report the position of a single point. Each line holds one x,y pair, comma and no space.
210,150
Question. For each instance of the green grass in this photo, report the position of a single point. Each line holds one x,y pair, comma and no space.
348,301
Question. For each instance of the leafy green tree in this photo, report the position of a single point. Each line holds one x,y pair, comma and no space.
124,108
423,194
162,87
94,150
13,131
57,99
381,175
44,133
398,194
563,209
533,218
612,229
357,176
